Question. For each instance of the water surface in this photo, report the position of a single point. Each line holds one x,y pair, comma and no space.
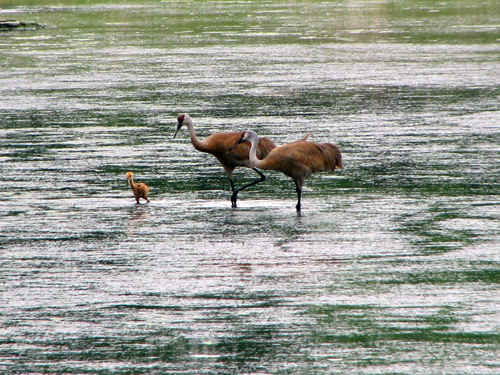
391,268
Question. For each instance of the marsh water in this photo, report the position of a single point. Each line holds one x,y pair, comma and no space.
392,267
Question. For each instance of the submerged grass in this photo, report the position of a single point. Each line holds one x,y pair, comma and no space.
363,325
482,275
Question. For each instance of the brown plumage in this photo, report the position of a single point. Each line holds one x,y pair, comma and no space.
218,145
139,189
297,160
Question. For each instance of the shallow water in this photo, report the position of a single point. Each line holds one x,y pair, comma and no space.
392,266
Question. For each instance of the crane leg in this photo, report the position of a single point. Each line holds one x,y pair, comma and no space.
234,197
299,195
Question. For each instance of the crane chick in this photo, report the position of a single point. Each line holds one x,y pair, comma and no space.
139,189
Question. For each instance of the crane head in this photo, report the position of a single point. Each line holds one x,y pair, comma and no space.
245,136
237,143
182,120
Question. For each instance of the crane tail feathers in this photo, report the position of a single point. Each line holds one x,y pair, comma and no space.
332,156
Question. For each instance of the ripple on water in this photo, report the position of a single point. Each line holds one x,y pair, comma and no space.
391,265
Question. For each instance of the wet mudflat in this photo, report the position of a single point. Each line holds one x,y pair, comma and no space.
391,268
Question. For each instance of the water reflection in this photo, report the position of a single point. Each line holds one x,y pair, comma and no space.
139,216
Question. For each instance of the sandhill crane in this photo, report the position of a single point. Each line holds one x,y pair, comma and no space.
218,145
139,189
297,160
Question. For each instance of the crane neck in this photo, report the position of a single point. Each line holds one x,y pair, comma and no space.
131,183
194,139
252,157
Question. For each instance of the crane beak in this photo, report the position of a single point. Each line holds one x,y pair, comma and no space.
236,144
177,130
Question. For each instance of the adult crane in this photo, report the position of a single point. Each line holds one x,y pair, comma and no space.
297,160
218,145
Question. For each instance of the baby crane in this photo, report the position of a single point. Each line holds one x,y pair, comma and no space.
139,189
